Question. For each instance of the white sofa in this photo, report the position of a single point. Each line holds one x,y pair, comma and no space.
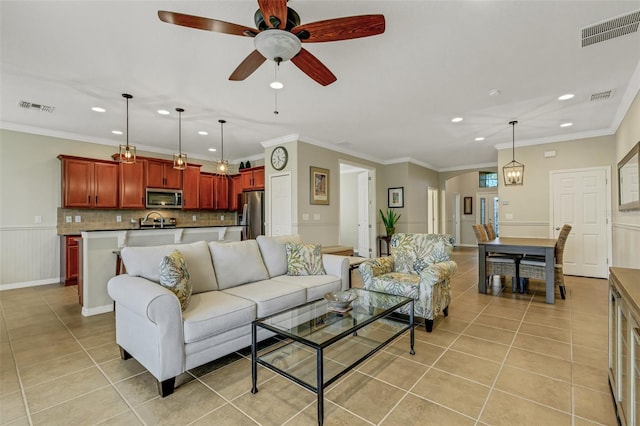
233,284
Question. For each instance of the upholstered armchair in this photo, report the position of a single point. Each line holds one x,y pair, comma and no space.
419,266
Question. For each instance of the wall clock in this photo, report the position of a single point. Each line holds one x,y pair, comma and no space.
279,158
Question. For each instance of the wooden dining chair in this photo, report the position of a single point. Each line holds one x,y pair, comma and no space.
497,264
534,267
490,230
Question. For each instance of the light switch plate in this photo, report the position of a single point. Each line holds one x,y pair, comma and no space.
78,219
508,216
316,216
118,218
68,219
305,216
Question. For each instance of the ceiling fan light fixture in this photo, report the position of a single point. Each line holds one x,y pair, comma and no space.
276,85
275,43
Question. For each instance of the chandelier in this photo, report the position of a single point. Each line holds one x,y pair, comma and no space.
513,172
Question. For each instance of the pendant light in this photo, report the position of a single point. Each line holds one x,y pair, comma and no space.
276,84
513,172
127,152
222,165
180,159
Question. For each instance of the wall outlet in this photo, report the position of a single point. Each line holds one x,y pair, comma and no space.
316,216
78,219
193,218
68,219
38,219
118,218
508,216
505,202
305,216
221,217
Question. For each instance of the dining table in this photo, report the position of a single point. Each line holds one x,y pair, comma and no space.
524,246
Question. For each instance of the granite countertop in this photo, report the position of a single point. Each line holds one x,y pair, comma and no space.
146,229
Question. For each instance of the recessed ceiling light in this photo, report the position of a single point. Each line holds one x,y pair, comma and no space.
456,120
98,109
565,97
479,139
163,112
494,92
212,149
566,125
203,133
116,132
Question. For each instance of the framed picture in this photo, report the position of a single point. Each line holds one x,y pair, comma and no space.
468,205
319,190
395,197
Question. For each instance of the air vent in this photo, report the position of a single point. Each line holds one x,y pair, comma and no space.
39,107
616,27
601,96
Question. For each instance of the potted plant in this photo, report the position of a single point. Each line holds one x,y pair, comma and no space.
390,221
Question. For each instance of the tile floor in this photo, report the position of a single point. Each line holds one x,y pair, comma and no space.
499,359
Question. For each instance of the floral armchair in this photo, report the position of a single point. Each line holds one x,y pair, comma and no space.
420,267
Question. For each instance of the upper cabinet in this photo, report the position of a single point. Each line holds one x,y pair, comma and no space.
191,187
206,191
235,189
89,183
161,174
132,185
252,178
221,192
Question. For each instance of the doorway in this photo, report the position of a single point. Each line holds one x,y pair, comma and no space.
280,205
432,210
487,209
357,216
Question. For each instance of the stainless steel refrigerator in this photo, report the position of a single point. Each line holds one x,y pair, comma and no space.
251,216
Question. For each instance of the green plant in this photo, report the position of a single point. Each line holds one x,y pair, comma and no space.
390,219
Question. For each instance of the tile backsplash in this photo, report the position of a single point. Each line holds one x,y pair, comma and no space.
96,220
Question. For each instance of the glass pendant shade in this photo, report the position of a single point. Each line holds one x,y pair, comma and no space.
180,159
127,152
513,172
222,165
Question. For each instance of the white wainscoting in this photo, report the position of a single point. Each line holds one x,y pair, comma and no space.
29,256
626,245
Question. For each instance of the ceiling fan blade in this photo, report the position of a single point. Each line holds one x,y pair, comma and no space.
248,66
311,66
275,8
206,24
342,28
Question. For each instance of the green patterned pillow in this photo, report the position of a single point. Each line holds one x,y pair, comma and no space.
175,277
304,259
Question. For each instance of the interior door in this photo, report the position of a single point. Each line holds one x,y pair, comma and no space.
280,190
432,210
363,215
487,208
580,198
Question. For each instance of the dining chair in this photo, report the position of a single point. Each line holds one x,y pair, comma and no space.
534,267
497,264
490,230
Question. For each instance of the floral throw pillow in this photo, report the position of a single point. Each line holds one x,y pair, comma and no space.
175,277
304,259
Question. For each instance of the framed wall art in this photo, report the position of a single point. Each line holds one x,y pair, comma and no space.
468,205
319,181
395,197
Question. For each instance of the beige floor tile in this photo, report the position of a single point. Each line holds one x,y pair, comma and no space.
453,392
541,389
559,334
37,329
594,406
451,324
543,346
186,404
492,334
541,364
505,409
590,340
555,311
591,377
425,353
9,381
11,407
138,389
592,357
279,392
98,339
234,379
83,410
333,415
438,337
504,312
482,348
227,415
498,322
45,395
104,353
394,370
119,369
50,369
42,351
415,410
549,321
467,366
128,418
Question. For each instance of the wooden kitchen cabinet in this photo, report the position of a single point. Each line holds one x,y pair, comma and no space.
70,259
252,178
161,174
235,189
132,187
221,192
191,187
89,183
206,191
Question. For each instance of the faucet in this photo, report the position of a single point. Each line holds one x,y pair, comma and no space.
157,214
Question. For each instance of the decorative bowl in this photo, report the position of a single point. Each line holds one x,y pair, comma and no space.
340,299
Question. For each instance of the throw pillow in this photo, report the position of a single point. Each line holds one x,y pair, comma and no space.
175,277
304,259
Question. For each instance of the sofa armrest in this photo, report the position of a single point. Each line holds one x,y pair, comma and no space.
338,266
144,297
372,268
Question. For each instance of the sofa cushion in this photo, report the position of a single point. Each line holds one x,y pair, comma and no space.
145,262
237,263
271,296
317,285
274,252
215,312
174,275
304,259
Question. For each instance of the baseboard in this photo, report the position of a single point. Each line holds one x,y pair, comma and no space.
88,312
25,284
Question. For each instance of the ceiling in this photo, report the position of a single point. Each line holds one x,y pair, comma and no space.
394,98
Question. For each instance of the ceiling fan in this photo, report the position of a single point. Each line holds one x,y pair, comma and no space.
278,36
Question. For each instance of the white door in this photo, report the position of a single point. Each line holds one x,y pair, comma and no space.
432,210
280,187
363,215
456,218
581,198
487,208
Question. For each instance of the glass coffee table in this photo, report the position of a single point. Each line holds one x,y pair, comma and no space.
321,345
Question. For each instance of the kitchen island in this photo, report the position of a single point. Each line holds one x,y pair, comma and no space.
98,261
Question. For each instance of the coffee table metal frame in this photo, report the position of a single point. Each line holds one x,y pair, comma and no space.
322,344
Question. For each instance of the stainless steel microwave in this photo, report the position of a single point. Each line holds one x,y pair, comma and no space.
164,198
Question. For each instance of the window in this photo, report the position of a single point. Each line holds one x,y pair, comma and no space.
488,179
